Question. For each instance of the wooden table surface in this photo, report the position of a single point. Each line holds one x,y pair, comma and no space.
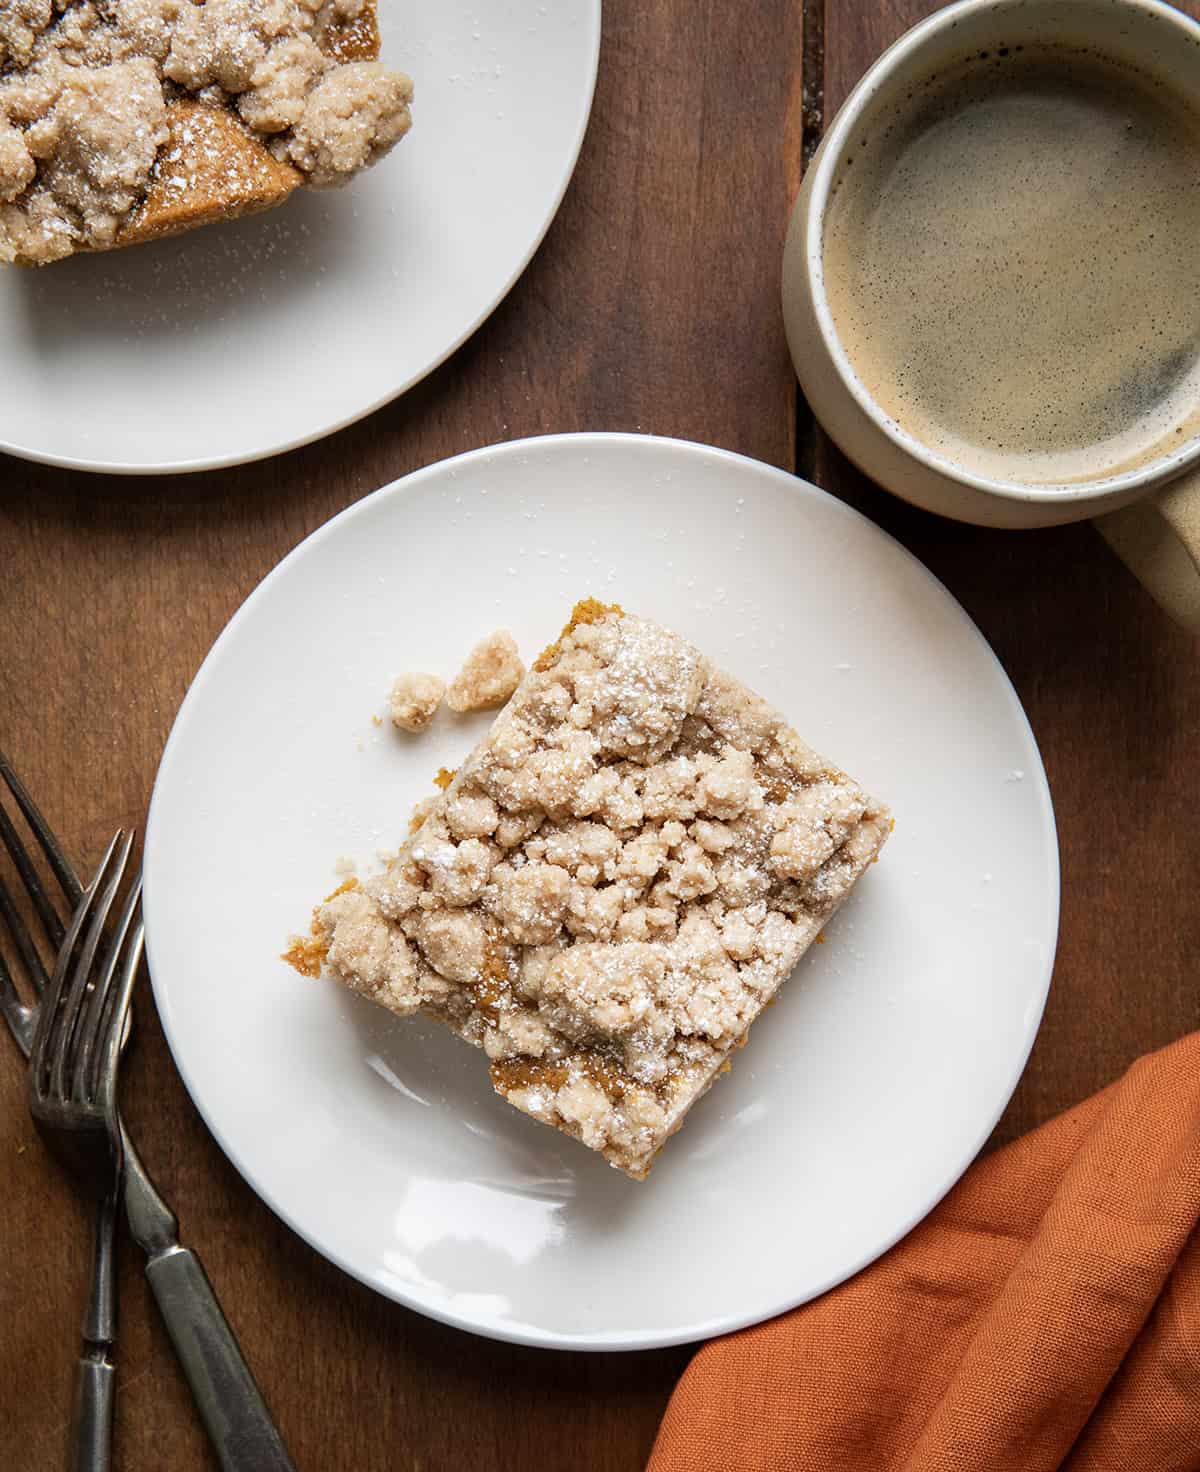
653,305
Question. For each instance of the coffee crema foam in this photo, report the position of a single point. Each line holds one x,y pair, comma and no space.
1012,261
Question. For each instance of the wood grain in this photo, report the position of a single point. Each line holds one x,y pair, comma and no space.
652,305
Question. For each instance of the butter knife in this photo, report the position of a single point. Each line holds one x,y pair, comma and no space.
230,1403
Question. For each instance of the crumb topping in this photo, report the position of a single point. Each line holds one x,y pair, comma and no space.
586,611
86,87
613,886
89,146
353,116
492,671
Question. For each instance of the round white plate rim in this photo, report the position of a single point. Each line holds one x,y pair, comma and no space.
297,442
704,1329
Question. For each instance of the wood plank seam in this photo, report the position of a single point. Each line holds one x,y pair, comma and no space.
812,127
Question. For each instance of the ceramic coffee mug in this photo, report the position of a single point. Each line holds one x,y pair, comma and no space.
1148,508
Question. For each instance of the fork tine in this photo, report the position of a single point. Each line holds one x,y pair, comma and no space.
72,1005
49,1026
21,1018
114,1026
50,846
22,940
91,1050
51,922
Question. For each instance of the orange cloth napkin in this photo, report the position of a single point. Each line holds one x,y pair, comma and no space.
1045,1315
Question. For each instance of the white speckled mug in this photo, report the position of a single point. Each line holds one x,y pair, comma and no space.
1147,506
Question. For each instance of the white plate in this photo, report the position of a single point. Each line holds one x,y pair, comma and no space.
242,340
863,1094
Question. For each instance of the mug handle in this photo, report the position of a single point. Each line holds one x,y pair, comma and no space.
1158,540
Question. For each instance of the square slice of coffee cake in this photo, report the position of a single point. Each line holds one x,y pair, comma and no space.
614,885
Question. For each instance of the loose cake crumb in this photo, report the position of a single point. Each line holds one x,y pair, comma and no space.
613,886
492,671
414,700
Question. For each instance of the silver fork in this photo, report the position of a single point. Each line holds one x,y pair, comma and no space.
72,1098
230,1404
93,1394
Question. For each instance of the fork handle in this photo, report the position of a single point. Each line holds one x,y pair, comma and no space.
230,1403
89,1446
92,1414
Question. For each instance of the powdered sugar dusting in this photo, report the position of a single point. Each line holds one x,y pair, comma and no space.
615,884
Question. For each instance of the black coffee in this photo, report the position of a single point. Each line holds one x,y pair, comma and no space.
1013,266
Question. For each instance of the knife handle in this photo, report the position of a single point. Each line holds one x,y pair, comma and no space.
230,1403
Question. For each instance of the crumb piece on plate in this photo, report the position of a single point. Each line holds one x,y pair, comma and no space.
414,700
305,954
492,671
613,887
